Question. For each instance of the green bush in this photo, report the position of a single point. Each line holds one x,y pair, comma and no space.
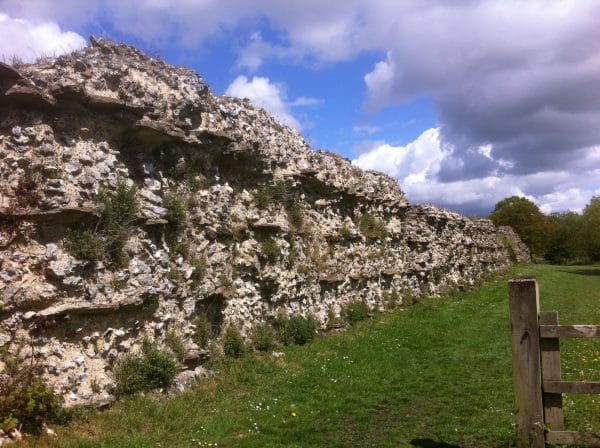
267,194
371,227
333,321
176,209
85,244
184,171
203,332
174,275
355,311
121,208
151,369
200,268
299,330
270,249
233,343
225,281
263,337
295,214
345,232
107,240
194,182
177,244
262,197
174,341
25,399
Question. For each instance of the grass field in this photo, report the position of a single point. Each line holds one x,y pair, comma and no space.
434,375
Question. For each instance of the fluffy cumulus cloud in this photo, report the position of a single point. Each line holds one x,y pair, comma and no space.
516,85
263,93
417,166
521,77
26,41
322,27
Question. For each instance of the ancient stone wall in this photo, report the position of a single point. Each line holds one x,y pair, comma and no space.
238,218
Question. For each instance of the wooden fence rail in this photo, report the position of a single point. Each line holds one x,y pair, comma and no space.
536,370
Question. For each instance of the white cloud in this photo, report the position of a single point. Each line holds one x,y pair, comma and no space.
574,199
417,166
306,101
365,129
380,82
263,93
27,41
419,159
523,77
257,50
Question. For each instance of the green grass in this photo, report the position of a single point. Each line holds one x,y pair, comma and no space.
437,371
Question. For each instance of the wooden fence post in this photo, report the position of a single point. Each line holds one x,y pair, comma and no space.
524,314
553,405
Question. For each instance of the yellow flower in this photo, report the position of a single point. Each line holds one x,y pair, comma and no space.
294,414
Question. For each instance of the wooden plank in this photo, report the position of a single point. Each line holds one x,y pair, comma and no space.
524,310
553,404
570,331
573,438
572,387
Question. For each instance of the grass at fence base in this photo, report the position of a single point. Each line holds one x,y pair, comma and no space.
436,372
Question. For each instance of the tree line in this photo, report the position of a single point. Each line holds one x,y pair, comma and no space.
565,237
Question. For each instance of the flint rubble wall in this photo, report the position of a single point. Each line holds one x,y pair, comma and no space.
274,226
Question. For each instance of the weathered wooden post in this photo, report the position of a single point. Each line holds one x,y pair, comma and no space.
524,314
553,403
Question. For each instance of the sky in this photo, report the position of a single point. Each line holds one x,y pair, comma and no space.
464,102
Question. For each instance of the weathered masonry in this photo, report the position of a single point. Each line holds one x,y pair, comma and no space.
132,200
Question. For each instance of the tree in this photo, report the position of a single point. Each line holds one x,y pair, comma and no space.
566,243
526,219
590,228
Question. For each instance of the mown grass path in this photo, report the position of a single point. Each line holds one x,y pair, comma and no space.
437,374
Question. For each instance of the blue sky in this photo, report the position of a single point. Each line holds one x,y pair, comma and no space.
463,102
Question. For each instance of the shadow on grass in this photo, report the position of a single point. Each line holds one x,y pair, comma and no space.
428,443
584,271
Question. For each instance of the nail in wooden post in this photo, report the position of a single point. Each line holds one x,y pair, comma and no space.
553,404
524,312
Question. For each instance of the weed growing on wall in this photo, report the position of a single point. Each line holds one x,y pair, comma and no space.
85,244
299,330
266,195
25,399
200,266
371,227
263,337
270,249
106,240
233,343
176,210
203,330
295,214
151,369
174,341
344,232
355,311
